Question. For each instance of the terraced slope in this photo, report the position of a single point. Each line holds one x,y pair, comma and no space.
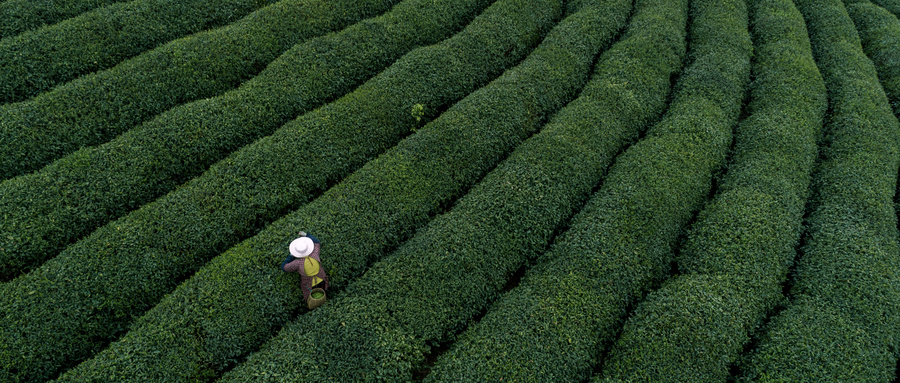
556,323
94,108
37,61
92,292
505,190
404,180
17,16
109,180
879,32
846,288
360,337
737,253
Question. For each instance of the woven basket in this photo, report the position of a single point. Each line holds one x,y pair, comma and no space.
313,302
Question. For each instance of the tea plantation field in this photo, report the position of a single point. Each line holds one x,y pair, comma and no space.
504,190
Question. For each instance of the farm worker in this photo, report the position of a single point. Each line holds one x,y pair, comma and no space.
304,260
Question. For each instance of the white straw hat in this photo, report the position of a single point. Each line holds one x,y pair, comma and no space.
302,247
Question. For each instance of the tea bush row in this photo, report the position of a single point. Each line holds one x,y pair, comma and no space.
630,89
107,181
422,293
554,325
96,287
17,16
358,220
843,320
99,106
891,5
879,32
738,252
625,238
36,61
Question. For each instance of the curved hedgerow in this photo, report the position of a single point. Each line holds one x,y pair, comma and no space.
845,290
879,32
36,61
91,292
737,253
834,347
891,5
496,226
629,89
94,108
17,16
570,304
107,181
357,220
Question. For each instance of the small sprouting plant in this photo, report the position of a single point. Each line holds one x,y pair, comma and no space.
418,111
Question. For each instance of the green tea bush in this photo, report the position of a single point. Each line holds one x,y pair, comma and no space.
422,292
845,290
891,5
107,181
358,220
737,253
879,32
91,292
629,89
17,16
834,348
554,325
99,106
36,61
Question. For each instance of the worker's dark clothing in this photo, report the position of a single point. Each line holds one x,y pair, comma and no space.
312,274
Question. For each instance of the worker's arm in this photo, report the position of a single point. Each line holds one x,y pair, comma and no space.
286,261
